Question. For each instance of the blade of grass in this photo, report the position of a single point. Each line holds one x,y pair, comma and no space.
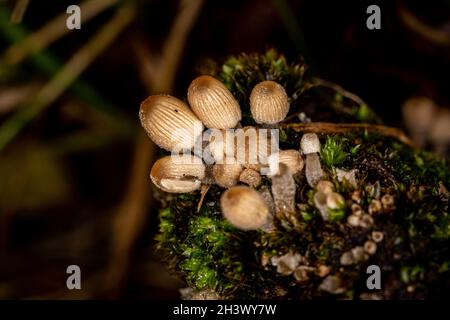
131,213
294,31
434,35
49,64
67,75
52,31
19,11
80,141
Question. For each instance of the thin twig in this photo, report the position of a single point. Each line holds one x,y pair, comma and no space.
147,62
52,31
413,23
132,210
204,190
341,90
15,96
176,40
65,77
19,11
326,127
130,216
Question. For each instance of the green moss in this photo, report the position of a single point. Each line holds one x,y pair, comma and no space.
241,74
332,152
364,113
336,214
307,212
412,273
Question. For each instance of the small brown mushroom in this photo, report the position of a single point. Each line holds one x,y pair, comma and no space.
269,103
178,174
169,122
370,247
377,236
310,146
325,186
250,177
326,201
418,114
226,175
335,201
244,207
439,133
283,190
291,158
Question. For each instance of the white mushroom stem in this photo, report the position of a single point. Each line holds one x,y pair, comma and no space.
320,201
169,122
267,196
310,146
313,169
269,102
283,190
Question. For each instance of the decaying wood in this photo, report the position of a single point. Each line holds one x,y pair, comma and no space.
327,128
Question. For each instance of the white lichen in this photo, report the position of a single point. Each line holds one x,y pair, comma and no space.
347,176
333,284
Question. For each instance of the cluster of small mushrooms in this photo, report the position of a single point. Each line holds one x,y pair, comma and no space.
171,123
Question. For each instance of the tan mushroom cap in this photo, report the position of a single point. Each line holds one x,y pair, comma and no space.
244,207
269,102
178,174
169,122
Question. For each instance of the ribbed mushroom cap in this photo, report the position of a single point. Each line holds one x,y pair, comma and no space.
227,175
419,113
169,122
178,174
248,146
269,102
250,177
244,207
310,143
213,103
291,158
325,186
